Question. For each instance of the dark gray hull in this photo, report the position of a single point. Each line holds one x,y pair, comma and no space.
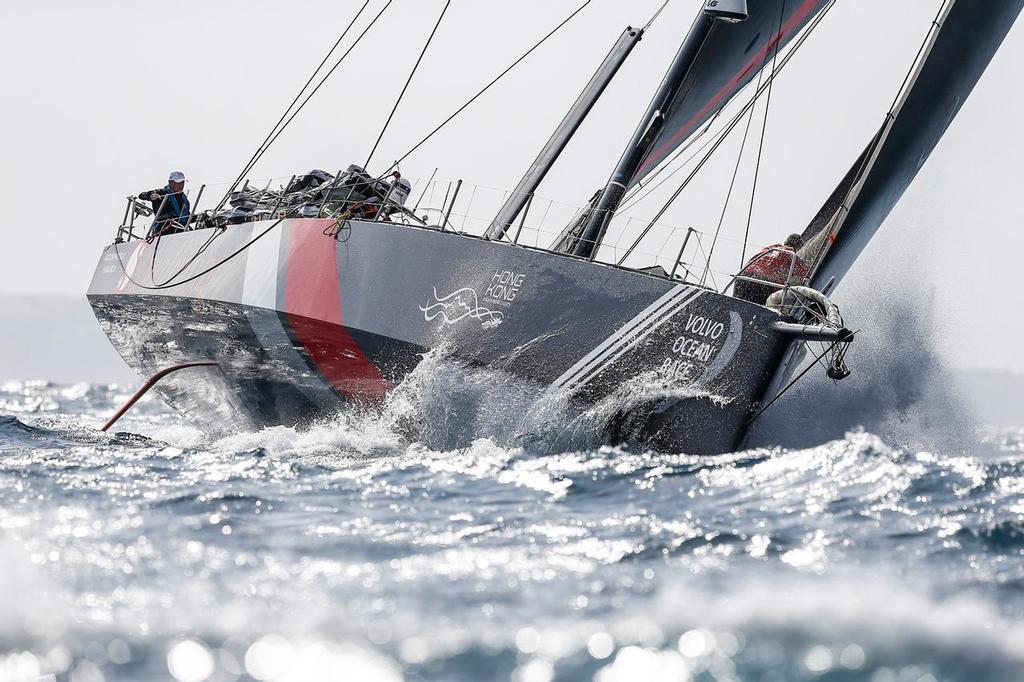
301,323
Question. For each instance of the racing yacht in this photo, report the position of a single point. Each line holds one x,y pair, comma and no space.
330,291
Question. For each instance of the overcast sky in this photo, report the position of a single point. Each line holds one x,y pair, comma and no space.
102,99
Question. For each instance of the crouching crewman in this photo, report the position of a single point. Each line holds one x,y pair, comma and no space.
774,266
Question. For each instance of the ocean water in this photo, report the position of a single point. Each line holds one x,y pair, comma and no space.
488,537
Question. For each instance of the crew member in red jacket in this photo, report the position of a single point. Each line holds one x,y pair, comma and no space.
773,264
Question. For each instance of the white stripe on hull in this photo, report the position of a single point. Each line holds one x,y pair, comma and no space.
634,340
627,336
261,266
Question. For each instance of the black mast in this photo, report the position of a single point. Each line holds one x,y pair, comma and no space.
564,133
643,138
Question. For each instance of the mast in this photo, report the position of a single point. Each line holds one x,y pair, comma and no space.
643,138
564,133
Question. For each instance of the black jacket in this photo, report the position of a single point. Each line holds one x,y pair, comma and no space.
175,208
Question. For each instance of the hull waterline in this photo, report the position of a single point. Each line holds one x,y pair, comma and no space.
301,323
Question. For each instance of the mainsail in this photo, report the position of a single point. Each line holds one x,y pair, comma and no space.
732,56
966,35
715,61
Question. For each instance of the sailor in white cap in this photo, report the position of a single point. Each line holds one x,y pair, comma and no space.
171,208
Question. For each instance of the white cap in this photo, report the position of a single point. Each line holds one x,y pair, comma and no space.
176,176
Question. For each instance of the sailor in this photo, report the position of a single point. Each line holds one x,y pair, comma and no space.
774,266
367,209
170,206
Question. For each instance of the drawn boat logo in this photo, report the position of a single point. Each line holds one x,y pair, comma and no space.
460,305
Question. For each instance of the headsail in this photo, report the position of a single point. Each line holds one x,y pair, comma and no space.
732,55
966,37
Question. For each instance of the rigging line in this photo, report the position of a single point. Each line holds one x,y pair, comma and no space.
792,383
728,195
306,100
838,219
248,165
199,252
936,26
199,274
760,146
656,15
729,128
156,250
632,200
323,80
679,190
216,232
640,184
496,79
406,86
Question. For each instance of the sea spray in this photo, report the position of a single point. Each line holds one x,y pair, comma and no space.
901,387
446,403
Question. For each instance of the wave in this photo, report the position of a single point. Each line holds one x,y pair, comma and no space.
901,387
502,546
445,403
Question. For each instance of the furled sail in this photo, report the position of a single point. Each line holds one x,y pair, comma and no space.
964,40
732,56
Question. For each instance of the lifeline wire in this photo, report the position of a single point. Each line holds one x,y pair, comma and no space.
272,137
406,86
267,143
255,157
213,267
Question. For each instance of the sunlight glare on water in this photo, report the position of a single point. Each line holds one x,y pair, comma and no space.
363,549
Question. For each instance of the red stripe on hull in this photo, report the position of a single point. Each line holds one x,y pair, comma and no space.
313,305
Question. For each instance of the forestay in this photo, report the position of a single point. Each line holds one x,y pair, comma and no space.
966,36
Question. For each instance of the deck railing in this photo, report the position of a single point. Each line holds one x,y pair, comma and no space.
452,206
